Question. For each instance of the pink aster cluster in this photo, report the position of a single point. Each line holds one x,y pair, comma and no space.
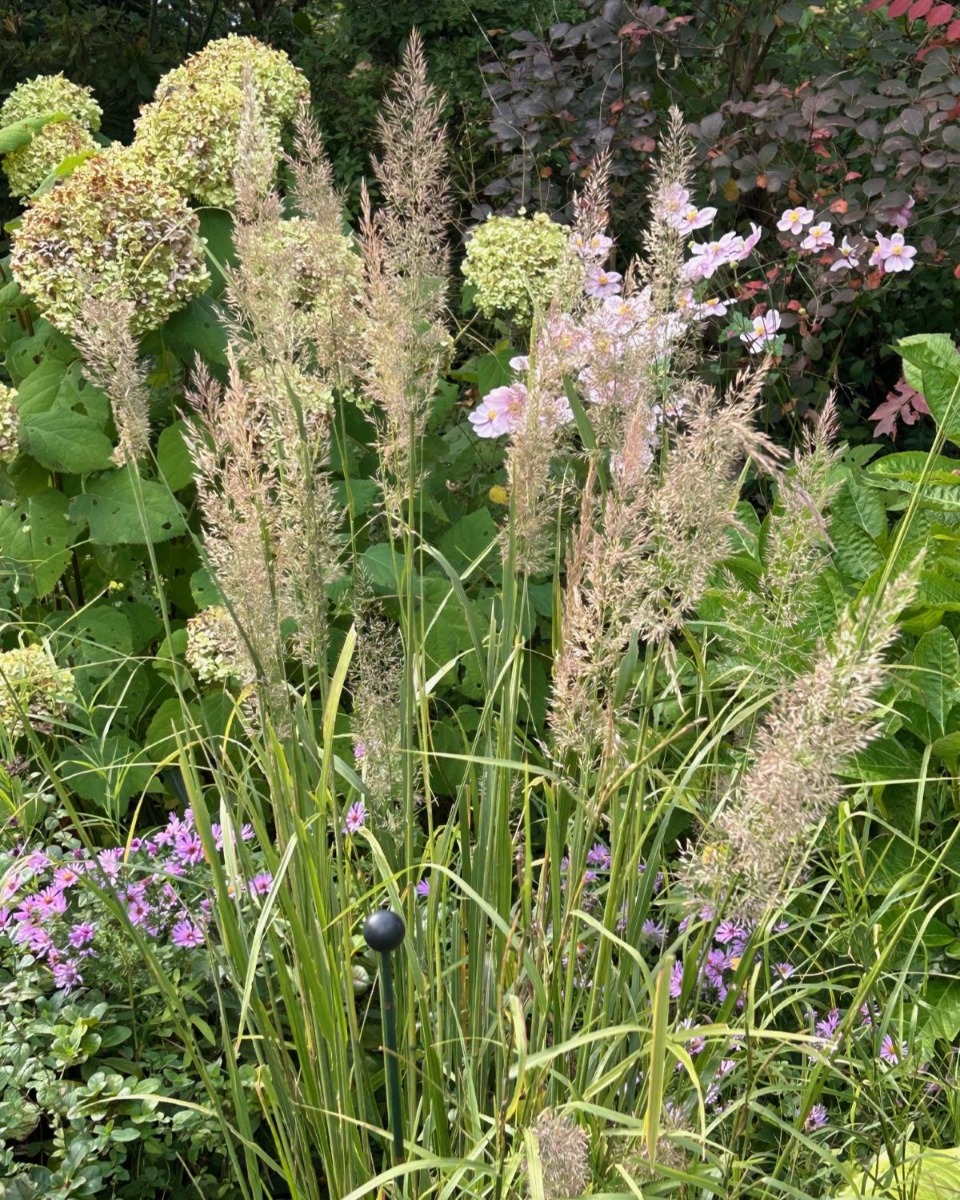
55,901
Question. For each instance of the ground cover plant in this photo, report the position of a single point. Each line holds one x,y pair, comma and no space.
342,571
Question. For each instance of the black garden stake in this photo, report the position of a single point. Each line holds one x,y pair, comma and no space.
383,932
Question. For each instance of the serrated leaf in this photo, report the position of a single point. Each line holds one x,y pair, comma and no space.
469,538
855,551
67,441
45,344
109,506
37,535
861,506
912,465
197,329
38,392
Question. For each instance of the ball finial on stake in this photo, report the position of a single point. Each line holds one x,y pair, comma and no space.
383,932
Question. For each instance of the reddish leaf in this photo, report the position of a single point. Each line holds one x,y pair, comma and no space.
839,206
940,15
902,404
851,175
953,31
873,5
898,8
918,9
956,271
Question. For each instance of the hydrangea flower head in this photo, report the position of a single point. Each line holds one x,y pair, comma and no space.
48,96
215,652
114,231
190,133
9,425
33,684
516,264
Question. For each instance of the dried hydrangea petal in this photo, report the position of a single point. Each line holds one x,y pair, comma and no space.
190,133
31,683
110,230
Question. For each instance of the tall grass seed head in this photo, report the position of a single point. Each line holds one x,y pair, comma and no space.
112,229
516,264
564,1155
190,133
32,683
9,425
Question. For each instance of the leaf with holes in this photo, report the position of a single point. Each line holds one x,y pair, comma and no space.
36,535
67,441
109,504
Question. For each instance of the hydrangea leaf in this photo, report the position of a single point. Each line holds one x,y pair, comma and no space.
36,536
67,441
108,773
19,133
173,457
197,329
109,505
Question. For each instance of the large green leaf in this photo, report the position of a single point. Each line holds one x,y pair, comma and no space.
64,440
109,505
917,1173
469,538
37,535
197,329
173,457
931,364
12,137
107,773
936,663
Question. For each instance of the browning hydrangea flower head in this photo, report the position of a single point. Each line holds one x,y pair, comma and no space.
190,133
45,96
517,264
32,684
9,425
111,230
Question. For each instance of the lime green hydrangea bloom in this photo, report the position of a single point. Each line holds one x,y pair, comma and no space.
46,95
9,425
31,683
215,652
189,134
516,264
110,230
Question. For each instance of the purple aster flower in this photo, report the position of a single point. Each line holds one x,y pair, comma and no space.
66,877
50,902
81,935
359,750
186,935
676,980
66,975
599,856
816,1118
423,888
247,833
729,931
784,969
828,1026
655,930
892,1050
260,884
138,911
37,861
188,847
10,887
356,817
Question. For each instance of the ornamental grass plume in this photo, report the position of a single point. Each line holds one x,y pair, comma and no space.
110,231
77,115
564,1152
190,133
756,842
405,258
271,522
109,352
376,719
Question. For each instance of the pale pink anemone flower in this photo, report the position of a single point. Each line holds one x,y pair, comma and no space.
892,253
499,412
763,331
794,220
